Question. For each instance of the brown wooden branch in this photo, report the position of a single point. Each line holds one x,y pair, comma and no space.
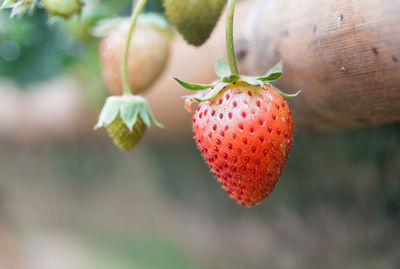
343,54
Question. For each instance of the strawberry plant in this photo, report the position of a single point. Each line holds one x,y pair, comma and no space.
127,117
242,124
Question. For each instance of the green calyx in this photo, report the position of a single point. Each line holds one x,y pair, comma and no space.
19,7
207,92
130,108
149,19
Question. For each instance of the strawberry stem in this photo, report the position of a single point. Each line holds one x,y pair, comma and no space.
229,38
138,8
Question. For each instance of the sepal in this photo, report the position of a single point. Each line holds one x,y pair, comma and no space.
231,79
222,69
285,95
129,107
20,7
207,95
7,4
194,86
252,80
274,73
206,92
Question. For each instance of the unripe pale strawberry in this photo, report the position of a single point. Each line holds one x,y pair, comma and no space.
148,56
124,138
194,19
63,8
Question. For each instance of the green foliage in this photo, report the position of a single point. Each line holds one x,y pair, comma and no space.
39,55
145,251
33,49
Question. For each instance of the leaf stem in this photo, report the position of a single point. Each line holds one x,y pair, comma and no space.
229,38
138,8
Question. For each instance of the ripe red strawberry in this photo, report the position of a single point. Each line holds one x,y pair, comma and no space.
148,56
245,134
244,128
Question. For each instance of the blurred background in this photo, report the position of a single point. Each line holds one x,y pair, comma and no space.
69,199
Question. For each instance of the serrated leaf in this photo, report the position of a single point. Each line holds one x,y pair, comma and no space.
274,73
222,68
193,86
129,112
207,95
285,95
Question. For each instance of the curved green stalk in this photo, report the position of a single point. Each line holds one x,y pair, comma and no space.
138,8
229,38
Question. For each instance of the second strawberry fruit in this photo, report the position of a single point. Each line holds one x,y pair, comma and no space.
148,56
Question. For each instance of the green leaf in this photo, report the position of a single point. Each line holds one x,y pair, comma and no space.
147,116
153,119
144,114
20,7
192,86
222,69
285,95
252,81
129,113
109,112
7,4
274,73
271,77
208,95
